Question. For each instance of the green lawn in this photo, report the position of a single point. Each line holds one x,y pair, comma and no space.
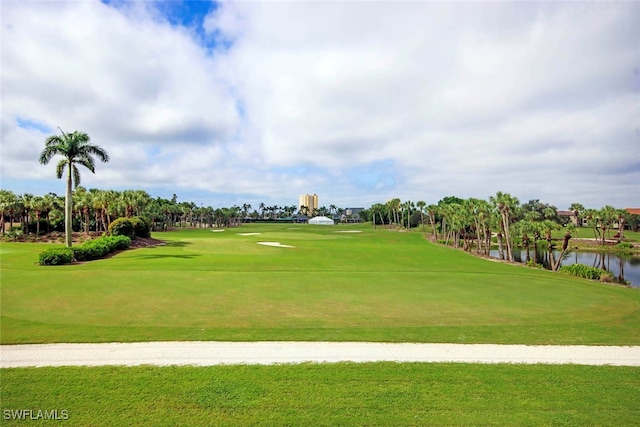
380,394
367,286
372,285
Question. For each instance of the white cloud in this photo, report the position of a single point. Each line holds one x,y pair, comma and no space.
358,102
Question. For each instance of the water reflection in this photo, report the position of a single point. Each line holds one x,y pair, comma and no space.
623,267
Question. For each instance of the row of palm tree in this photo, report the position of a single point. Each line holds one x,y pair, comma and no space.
92,210
265,212
463,222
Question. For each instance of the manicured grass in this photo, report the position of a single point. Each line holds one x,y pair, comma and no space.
380,394
366,286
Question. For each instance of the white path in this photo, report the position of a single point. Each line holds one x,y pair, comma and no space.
207,353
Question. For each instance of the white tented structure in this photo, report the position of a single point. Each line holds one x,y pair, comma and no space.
321,220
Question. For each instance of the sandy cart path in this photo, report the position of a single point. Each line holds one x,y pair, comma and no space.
207,353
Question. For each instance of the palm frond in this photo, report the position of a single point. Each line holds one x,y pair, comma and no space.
87,162
97,151
60,168
54,140
76,175
82,137
48,153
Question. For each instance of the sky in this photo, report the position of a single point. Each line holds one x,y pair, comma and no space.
359,102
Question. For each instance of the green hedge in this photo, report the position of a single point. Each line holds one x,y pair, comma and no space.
141,227
90,250
99,248
56,256
585,271
121,227
132,227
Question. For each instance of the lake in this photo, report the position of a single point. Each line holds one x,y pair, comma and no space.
623,267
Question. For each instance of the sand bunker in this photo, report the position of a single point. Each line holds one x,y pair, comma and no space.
217,231
275,244
349,231
248,234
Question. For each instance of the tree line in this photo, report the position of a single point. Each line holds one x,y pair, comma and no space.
94,209
472,223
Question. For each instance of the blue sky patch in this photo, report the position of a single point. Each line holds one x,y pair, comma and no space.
187,14
32,124
376,175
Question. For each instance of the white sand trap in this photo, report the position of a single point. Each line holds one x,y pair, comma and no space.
217,231
349,231
275,244
248,234
293,228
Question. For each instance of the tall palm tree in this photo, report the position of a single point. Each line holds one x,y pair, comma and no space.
76,149
432,210
421,204
577,210
506,205
51,204
83,202
8,201
24,202
38,205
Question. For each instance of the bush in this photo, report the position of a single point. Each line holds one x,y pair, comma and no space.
531,263
132,227
56,256
585,271
141,227
121,227
88,251
624,247
100,247
119,243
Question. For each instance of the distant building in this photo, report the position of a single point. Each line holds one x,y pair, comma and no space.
567,216
308,200
351,215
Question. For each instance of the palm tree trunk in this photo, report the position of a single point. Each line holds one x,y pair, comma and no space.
68,205
86,220
37,224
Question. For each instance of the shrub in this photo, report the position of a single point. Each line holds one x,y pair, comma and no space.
132,227
121,227
118,243
624,247
585,271
56,256
533,264
141,227
100,247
